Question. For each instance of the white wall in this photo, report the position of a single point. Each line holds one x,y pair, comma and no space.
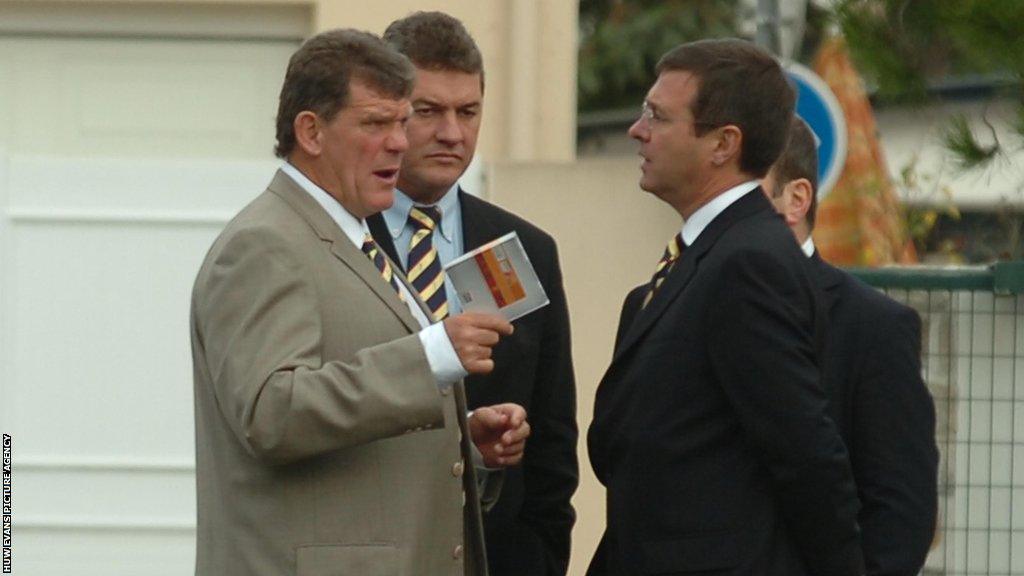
121,157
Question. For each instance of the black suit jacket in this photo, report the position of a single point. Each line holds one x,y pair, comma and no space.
872,374
710,426
528,530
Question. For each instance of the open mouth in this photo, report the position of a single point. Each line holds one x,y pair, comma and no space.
389,174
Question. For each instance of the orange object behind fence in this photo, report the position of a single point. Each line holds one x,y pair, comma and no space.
860,223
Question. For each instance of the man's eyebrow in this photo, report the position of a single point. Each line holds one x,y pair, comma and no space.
426,101
374,115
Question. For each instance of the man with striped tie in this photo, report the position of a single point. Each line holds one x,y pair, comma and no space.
331,428
710,431
433,221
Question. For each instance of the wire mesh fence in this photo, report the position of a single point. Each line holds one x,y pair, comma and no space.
973,359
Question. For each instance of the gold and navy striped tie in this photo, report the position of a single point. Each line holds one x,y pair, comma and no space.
668,259
424,269
381,262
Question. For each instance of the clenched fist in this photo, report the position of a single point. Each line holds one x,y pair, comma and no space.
500,433
473,335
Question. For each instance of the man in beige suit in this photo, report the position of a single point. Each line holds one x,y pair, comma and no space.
331,430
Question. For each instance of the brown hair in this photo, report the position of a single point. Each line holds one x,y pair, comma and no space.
742,85
322,69
799,160
436,41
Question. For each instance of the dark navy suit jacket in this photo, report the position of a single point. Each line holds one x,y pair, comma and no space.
710,431
872,375
528,530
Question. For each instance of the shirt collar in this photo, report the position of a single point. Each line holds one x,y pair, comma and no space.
354,228
704,215
808,247
397,216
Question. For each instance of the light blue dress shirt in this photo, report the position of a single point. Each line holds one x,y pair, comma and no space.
447,239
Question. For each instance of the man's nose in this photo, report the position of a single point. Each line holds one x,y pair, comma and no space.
448,129
397,140
639,130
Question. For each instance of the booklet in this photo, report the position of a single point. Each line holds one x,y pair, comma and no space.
497,277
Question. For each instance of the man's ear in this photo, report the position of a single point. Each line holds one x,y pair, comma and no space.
727,145
798,194
308,136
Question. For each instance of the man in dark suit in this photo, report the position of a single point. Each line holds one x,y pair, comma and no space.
710,428
872,374
432,222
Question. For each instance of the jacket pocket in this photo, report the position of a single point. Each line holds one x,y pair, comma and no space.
354,560
696,553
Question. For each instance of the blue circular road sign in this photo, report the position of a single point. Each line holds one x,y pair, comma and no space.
817,105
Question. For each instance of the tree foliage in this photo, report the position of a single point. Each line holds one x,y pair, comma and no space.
621,41
904,46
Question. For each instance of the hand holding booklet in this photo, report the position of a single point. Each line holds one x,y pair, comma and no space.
498,278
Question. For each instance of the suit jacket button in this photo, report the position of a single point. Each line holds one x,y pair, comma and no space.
457,469
457,552
446,390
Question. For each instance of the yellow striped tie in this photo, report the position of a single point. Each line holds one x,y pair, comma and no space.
668,259
381,262
424,269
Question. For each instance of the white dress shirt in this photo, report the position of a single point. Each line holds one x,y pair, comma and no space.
808,247
704,215
444,362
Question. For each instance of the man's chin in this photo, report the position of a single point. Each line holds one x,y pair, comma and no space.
431,187
441,169
660,192
381,199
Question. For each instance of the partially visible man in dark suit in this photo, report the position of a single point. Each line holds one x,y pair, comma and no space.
872,374
710,428
433,221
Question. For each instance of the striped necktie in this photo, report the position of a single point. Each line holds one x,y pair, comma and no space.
424,269
381,262
672,253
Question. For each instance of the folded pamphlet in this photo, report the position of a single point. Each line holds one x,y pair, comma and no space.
497,277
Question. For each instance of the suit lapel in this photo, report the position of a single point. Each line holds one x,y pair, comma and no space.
477,228
630,308
683,271
341,247
382,236
673,285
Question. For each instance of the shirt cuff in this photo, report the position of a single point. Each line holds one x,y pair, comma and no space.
444,362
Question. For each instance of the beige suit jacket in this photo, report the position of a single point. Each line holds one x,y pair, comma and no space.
323,445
